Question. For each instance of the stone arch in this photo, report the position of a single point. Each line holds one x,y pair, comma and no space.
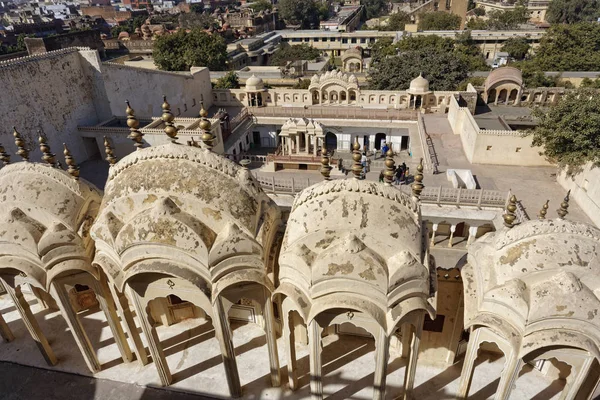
492,96
331,141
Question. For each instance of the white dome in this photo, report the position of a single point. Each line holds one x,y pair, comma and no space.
254,84
419,85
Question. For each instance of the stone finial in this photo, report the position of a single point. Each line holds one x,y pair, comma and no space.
168,118
205,126
4,156
47,155
357,167
390,166
544,210
134,124
110,156
325,167
20,143
72,167
417,186
509,213
564,207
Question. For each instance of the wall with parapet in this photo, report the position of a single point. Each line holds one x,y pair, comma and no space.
584,190
52,92
491,146
144,89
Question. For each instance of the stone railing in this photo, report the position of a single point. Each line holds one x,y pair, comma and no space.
334,112
239,119
431,195
498,132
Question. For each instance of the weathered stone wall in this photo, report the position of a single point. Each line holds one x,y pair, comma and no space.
144,89
51,92
584,190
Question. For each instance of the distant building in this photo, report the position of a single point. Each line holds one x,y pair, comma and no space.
347,19
537,8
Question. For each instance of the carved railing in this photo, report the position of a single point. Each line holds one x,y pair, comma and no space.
334,112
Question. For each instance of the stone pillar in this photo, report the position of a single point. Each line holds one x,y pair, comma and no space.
472,234
452,230
306,143
31,323
83,342
283,145
5,331
316,347
158,356
223,333
466,375
382,356
132,331
434,229
290,348
271,340
406,331
509,376
411,368
575,383
315,145
108,307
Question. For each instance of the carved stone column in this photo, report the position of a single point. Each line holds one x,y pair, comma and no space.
509,376
434,229
5,331
271,340
290,348
31,323
411,368
466,375
316,348
382,356
452,230
125,313
472,234
108,307
223,333
57,290
158,356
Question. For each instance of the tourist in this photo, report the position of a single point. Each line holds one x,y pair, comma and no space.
384,150
363,161
398,175
381,176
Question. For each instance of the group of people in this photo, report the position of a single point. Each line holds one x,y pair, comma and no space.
401,175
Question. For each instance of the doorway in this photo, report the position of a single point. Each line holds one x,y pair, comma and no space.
331,141
379,140
256,138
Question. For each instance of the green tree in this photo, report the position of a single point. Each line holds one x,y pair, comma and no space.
473,80
197,20
323,11
396,22
382,48
228,81
477,24
516,47
573,11
479,11
588,83
298,12
182,50
444,70
261,5
302,84
508,19
374,8
569,48
569,131
286,53
439,21
467,50
197,8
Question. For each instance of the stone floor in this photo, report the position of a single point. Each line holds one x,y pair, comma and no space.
193,356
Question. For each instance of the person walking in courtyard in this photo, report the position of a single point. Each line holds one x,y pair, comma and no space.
381,176
398,175
384,150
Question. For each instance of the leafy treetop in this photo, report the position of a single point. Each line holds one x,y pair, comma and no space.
439,21
228,81
569,131
299,12
516,47
573,11
286,53
182,50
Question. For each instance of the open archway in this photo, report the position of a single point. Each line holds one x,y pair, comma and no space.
331,141
380,140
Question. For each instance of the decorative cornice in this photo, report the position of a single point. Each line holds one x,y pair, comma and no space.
544,227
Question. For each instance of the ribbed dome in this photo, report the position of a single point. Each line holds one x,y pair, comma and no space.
254,84
419,85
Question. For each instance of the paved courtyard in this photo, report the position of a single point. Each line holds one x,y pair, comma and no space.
193,356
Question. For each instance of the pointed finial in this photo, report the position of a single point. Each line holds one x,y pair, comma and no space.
47,155
205,126
544,210
20,143
357,167
72,167
134,124
168,118
563,210
417,186
325,167
509,213
4,157
390,166
110,156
